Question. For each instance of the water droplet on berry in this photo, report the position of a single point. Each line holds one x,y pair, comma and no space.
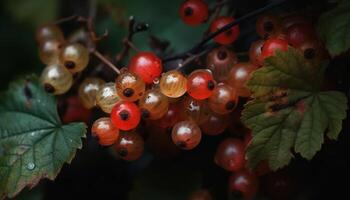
30,166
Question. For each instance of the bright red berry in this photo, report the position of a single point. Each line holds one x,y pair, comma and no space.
125,115
243,184
271,45
200,84
146,65
194,12
230,154
228,36
298,34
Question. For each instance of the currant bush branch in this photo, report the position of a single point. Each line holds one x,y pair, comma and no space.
199,46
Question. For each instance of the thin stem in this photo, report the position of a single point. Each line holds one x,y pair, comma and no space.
66,19
197,47
106,61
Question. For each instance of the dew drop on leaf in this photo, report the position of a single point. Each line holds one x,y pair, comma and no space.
30,166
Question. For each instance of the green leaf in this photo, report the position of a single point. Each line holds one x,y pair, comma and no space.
289,111
334,28
33,142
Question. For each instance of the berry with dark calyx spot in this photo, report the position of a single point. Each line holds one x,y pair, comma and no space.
75,57
200,84
56,79
129,146
125,115
268,25
186,134
194,12
130,87
224,99
106,133
220,62
227,37
153,104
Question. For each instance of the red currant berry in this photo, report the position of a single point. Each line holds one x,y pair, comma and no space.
271,45
186,134
292,19
105,131
74,111
200,84
129,146
194,12
125,115
230,154
146,65
243,184
298,34
255,53
228,36
171,117
239,75
215,124
220,62
268,25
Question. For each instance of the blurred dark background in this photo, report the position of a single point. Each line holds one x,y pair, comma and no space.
95,173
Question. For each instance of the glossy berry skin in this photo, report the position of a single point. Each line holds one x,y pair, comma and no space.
147,66
255,52
125,115
220,62
238,77
88,90
106,133
230,154
107,97
215,124
224,99
200,84
268,25
227,37
186,134
74,111
194,12
49,32
173,84
130,87
195,110
171,117
56,79
129,146
49,52
75,57
243,184
153,104
312,49
298,34
272,45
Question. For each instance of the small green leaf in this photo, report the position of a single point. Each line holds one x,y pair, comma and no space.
289,111
334,28
33,142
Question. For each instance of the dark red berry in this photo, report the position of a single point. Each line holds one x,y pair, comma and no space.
194,12
227,37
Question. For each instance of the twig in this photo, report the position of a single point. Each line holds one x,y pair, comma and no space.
197,47
127,41
106,61
189,59
66,19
